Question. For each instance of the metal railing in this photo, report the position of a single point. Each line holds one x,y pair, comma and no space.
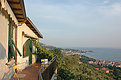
47,71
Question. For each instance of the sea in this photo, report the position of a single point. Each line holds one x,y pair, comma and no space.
110,54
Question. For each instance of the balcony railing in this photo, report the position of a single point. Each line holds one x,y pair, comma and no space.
48,70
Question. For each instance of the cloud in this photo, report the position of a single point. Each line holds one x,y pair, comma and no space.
110,10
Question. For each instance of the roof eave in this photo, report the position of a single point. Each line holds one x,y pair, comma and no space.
33,28
18,9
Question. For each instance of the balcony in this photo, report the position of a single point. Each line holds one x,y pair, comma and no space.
40,72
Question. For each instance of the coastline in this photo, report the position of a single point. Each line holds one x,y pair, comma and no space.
108,54
100,62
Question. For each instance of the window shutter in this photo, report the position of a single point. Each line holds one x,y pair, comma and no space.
12,49
16,47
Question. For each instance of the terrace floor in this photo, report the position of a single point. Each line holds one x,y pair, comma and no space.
32,72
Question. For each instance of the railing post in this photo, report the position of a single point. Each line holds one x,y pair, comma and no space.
47,71
40,75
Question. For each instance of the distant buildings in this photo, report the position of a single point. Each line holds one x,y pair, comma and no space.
105,63
118,65
90,62
73,52
107,71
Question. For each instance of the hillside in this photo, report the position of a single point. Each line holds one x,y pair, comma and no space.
70,67
79,71
49,47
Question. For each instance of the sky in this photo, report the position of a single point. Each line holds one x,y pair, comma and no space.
77,23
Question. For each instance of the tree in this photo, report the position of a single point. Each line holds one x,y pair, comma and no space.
64,74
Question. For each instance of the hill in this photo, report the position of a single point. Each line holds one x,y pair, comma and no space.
70,67
79,71
49,47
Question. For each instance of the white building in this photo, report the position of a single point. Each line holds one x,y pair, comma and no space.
17,30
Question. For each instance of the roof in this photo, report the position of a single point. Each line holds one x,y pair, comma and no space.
33,28
18,9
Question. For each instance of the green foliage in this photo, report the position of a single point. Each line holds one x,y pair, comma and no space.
70,69
57,52
64,74
82,71
85,59
116,72
42,53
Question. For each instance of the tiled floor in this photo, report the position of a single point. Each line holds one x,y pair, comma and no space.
32,72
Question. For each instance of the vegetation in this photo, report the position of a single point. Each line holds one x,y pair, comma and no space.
65,74
80,71
70,68
57,52
85,59
115,72
42,53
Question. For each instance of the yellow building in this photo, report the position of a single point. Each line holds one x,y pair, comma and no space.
16,32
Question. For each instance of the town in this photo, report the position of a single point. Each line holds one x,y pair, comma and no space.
106,63
65,51
73,51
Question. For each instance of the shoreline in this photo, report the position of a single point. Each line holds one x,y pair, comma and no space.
99,59
102,62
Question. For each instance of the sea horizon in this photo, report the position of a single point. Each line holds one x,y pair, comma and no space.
109,54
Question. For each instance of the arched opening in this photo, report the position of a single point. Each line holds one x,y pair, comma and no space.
27,50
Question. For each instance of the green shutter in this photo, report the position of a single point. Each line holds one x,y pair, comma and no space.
12,49
16,47
30,54
28,50
28,47
11,44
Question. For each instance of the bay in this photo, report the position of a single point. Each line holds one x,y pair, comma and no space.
110,54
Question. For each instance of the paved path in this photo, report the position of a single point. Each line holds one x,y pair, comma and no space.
32,72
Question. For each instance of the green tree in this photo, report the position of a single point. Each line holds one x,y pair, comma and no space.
64,74
42,53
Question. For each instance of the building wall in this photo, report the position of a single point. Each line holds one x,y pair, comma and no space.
34,58
19,45
5,70
28,31
6,13
3,44
23,62
34,49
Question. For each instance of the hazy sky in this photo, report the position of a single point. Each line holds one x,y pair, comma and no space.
77,23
